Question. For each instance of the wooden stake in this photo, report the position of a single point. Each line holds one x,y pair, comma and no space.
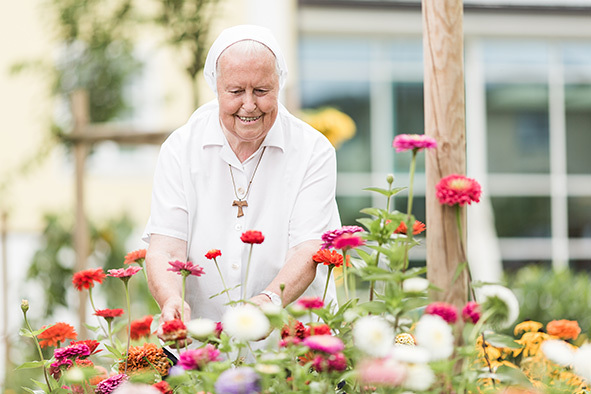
444,121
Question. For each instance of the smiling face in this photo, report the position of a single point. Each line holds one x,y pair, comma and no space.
248,88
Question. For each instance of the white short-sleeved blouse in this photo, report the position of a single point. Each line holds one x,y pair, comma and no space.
291,200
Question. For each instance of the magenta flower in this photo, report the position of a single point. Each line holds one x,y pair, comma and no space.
329,236
310,302
418,142
347,241
72,351
198,358
471,312
457,190
324,343
330,362
446,311
125,272
109,385
186,269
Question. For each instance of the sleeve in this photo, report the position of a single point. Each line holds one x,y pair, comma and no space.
315,210
169,211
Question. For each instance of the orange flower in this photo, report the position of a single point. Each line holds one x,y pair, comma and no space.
57,334
146,358
564,329
137,256
85,279
213,253
417,228
141,328
332,257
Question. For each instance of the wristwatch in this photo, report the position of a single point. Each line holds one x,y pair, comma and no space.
275,299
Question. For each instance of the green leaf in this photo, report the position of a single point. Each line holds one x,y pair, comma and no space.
30,364
500,340
374,307
224,291
25,332
365,222
512,375
459,270
373,212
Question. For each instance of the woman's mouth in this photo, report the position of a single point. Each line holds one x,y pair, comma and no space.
249,119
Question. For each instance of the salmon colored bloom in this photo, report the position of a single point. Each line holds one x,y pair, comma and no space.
124,273
252,237
417,228
446,311
457,190
57,334
348,241
213,253
137,256
330,257
174,330
108,313
564,329
404,142
185,269
141,327
85,279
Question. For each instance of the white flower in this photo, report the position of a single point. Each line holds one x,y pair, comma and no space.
419,377
582,362
245,323
435,335
373,335
267,369
558,352
410,354
271,309
350,315
415,285
502,301
201,328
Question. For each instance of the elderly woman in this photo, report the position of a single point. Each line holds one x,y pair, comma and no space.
242,162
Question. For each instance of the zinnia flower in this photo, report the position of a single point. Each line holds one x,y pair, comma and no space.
404,338
108,313
434,334
109,385
85,279
145,358
72,351
310,303
91,343
201,328
241,380
501,301
185,269
324,343
329,236
347,241
252,237
527,326
558,351
213,253
457,190
471,312
137,256
564,329
404,142
415,285
582,363
373,335
174,330
329,362
245,323
417,228
124,273
197,358
381,372
447,312
56,334
141,327
318,329
330,257
419,377
163,387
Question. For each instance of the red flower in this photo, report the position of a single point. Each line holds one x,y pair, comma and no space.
404,142
446,311
108,313
347,241
332,257
252,237
564,329
310,302
137,256
417,228
185,269
457,190
85,279
163,387
318,329
91,343
213,253
471,312
124,273
174,330
141,328
57,333
293,333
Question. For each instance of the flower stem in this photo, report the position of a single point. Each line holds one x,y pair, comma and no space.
40,352
463,250
330,267
183,297
222,277
94,309
128,325
246,274
409,225
345,279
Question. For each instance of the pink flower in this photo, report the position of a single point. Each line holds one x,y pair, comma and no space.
329,236
125,272
446,311
471,312
185,269
198,358
347,241
324,343
457,190
252,237
109,385
404,142
381,372
72,351
311,302
330,362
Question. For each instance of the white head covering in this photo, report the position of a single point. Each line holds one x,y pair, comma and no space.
231,36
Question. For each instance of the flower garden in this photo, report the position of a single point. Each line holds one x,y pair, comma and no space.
387,333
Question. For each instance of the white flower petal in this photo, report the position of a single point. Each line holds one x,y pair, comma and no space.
435,335
246,323
373,335
558,352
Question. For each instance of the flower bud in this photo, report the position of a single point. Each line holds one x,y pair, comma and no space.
24,305
390,179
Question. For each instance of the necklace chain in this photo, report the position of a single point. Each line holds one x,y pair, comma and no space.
241,202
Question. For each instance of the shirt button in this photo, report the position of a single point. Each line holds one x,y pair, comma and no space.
241,191
235,266
238,227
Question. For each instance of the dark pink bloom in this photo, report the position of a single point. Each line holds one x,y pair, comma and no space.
329,236
471,312
330,362
186,269
125,272
457,190
72,351
348,241
404,142
324,343
198,358
109,385
311,302
446,311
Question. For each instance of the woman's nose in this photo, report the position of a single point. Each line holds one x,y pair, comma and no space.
249,104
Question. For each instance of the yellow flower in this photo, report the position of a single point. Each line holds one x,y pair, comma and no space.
527,326
531,342
337,126
405,338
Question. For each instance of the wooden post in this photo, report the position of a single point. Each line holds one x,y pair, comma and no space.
80,111
6,303
444,121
